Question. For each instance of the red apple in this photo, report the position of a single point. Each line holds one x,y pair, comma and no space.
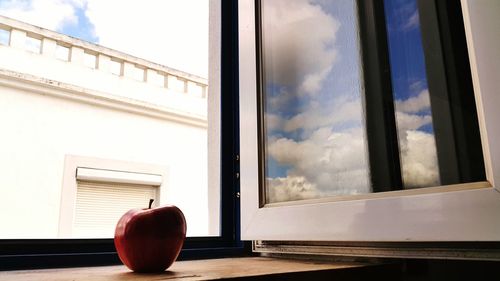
149,240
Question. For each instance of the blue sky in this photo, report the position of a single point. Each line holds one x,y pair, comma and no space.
410,91
82,29
405,45
406,53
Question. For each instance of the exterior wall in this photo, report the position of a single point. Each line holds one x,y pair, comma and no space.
50,108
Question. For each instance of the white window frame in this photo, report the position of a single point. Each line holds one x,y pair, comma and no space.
465,212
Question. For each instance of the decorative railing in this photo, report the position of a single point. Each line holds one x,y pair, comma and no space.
48,43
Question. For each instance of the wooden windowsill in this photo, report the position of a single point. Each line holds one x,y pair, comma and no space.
254,268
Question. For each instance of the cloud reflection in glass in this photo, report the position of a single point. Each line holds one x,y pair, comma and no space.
315,139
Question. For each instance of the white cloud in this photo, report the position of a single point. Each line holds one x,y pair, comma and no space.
414,104
336,162
417,86
419,159
172,33
331,162
289,189
340,110
49,14
406,112
280,100
407,122
299,42
273,122
412,22
312,81
418,153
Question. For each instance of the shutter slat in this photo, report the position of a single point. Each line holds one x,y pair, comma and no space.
99,206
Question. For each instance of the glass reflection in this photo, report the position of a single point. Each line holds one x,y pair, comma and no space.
315,142
417,144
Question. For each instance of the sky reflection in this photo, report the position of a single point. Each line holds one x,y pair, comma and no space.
314,108
416,138
314,115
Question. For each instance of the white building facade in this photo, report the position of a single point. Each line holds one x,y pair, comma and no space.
137,127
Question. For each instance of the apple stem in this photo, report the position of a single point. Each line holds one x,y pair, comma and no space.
151,202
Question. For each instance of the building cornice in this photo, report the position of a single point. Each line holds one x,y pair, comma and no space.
47,87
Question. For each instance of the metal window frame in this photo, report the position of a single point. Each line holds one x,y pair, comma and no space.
381,130
454,114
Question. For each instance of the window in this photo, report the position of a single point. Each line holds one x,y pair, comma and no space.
4,37
90,60
316,136
97,192
332,117
412,105
33,45
129,119
456,213
115,67
181,119
62,52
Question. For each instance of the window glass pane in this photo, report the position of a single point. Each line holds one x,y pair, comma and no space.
62,53
418,153
315,141
115,67
107,106
435,113
4,37
90,60
33,45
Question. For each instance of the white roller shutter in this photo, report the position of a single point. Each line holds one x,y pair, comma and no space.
99,206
